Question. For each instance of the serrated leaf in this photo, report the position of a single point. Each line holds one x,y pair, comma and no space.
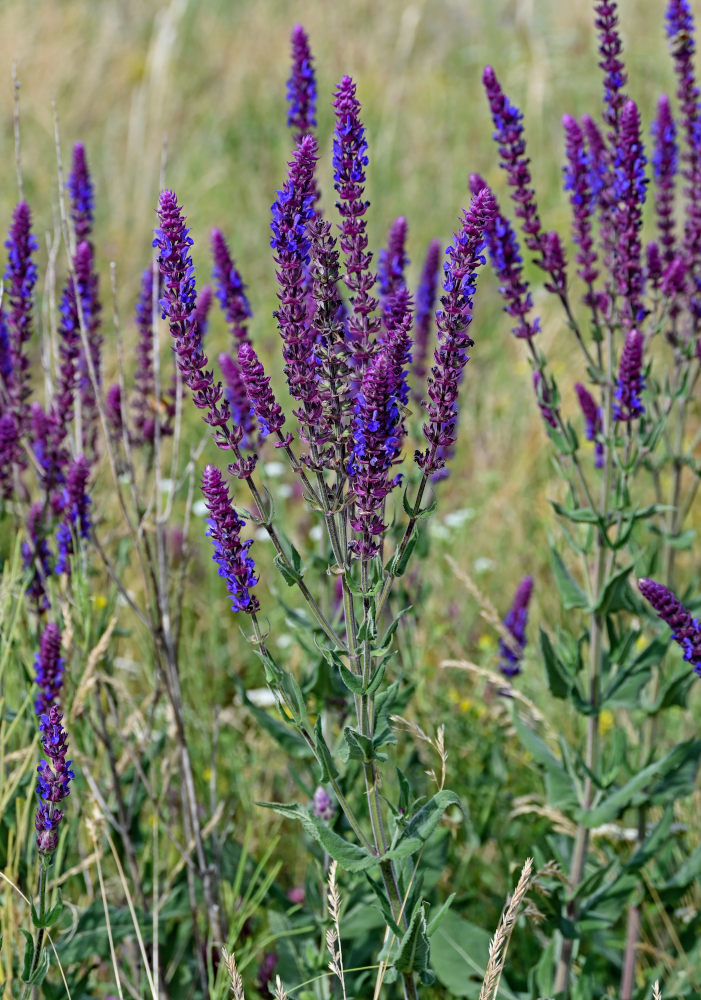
423,823
559,679
323,755
570,592
399,561
290,575
414,953
349,856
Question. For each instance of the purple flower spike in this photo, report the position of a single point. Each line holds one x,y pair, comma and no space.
597,158
301,86
463,259
610,48
114,410
8,446
323,805
629,196
54,776
231,291
686,631
423,318
680,32
515,622
594,425
664,166
230,553
80,188
578,177
266,408
544,397
349,163
630,383
75,518
512,151
202,307
36,555
506,259
237,397
20,277
392,262
49,668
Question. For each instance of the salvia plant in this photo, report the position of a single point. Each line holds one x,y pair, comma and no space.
105,487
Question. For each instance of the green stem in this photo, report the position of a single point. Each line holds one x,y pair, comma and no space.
39,943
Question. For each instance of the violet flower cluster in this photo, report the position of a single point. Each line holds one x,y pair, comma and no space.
686,630
593,421
230,553
82,193
301,86
49,668
75,521
424,314
511,654
54,775
628,402
231,291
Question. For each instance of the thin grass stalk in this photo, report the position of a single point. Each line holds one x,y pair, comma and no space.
499,944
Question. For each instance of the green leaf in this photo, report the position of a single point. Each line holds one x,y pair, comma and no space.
652,843
285,736
290,575
423,823
376,679
570,592
580,515
358,747
459,956
615,593
349,856
559,678
28,954
414,953
323,754
51,917
399,561
354,682
439,914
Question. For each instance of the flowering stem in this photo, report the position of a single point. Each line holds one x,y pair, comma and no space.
401,549
39,943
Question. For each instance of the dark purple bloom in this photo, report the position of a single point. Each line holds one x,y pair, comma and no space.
75,519
301,86
20,278
680,32
114,411
36,555
578,176
49,668
515,622
230,553
592,417
610,48
237,397
512,151
80,188
664,168
597,158
8,446
349,163
460,268
265,974
506,259
392,262
323,805
628,194
54,776
654,268
266,408
69,349
630,382
178,305
424,316
145,408
544,396
231,290
686,631
202,307
6,366
88,288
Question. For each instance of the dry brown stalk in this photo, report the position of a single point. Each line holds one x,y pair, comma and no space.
234,975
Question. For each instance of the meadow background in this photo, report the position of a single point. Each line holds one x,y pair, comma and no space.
194,92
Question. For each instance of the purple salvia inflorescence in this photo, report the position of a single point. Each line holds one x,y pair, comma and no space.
301,86
8,446
80,188
578,178
69,351
20,278
630,384
680,32
377,435
653,264
515,623
145,408
453,319
349,163
392,261
231,291
629,184
424,315
664,169
544,397
230,553
686,630
610,48
323,805
505,257
593,421
49,668
114,410
508,123
266,408
54,776
597,158
88,288
75,518
291,213
237,397
202,307
36,555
